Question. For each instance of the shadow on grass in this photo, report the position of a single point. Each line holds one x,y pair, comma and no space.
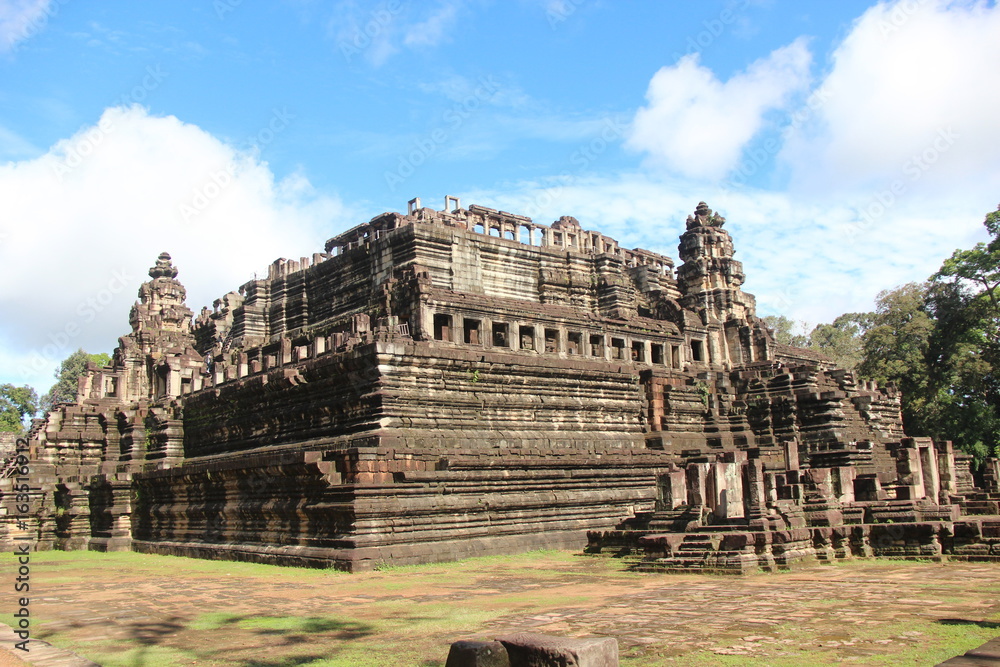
989,625
293,661
281,633
151,634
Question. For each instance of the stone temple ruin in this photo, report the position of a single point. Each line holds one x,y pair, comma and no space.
446,384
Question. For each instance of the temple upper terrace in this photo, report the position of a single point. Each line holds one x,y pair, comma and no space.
564,234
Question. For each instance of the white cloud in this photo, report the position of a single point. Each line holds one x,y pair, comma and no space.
434,29
20,20
82,224
375,34
696,125
805,259
906,72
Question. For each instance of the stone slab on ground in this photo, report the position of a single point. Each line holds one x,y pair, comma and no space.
477,654
987,655
41,654
528,649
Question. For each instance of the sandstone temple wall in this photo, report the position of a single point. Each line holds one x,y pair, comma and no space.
443,384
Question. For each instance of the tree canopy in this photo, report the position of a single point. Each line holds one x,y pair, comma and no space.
16,405
70,370
841,340
938,341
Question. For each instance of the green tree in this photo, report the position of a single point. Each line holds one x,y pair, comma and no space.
783,329
939,342
70,370
16,405
965,364
978,271
841,340
896,348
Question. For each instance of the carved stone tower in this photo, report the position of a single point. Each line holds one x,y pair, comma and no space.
710,280
159,355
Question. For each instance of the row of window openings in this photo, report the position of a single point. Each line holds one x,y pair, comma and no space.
533,236
574,342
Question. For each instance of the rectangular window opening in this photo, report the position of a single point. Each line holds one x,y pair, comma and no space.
442,327
597,346
574,342
500,334
656,353
617,348
551,340
527,335
697,350
471,328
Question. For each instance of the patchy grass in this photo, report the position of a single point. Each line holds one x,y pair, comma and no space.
136,610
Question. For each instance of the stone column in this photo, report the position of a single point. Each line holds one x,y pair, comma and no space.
791,448
695,475
946,471
754,494
991,476
928,463
672,490
909,471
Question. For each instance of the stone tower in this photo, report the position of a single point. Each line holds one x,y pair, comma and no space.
710,283
158,360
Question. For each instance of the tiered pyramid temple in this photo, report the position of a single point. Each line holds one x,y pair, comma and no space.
445,384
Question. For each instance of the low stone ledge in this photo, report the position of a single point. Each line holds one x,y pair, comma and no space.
527,649
987,655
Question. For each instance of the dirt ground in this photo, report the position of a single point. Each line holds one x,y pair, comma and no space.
138,610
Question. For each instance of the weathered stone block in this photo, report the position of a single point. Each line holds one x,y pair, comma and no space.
477,654
535,650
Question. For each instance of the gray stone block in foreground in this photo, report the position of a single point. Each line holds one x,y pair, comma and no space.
527,649
477,654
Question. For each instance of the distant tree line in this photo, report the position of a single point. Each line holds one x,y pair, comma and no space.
938,341
19,404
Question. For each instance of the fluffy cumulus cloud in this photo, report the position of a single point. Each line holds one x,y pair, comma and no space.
696,125
21,19
81,224
892,158
911,97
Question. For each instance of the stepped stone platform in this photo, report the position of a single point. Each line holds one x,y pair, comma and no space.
436,385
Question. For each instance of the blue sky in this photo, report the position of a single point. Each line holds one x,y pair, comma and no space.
851,145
